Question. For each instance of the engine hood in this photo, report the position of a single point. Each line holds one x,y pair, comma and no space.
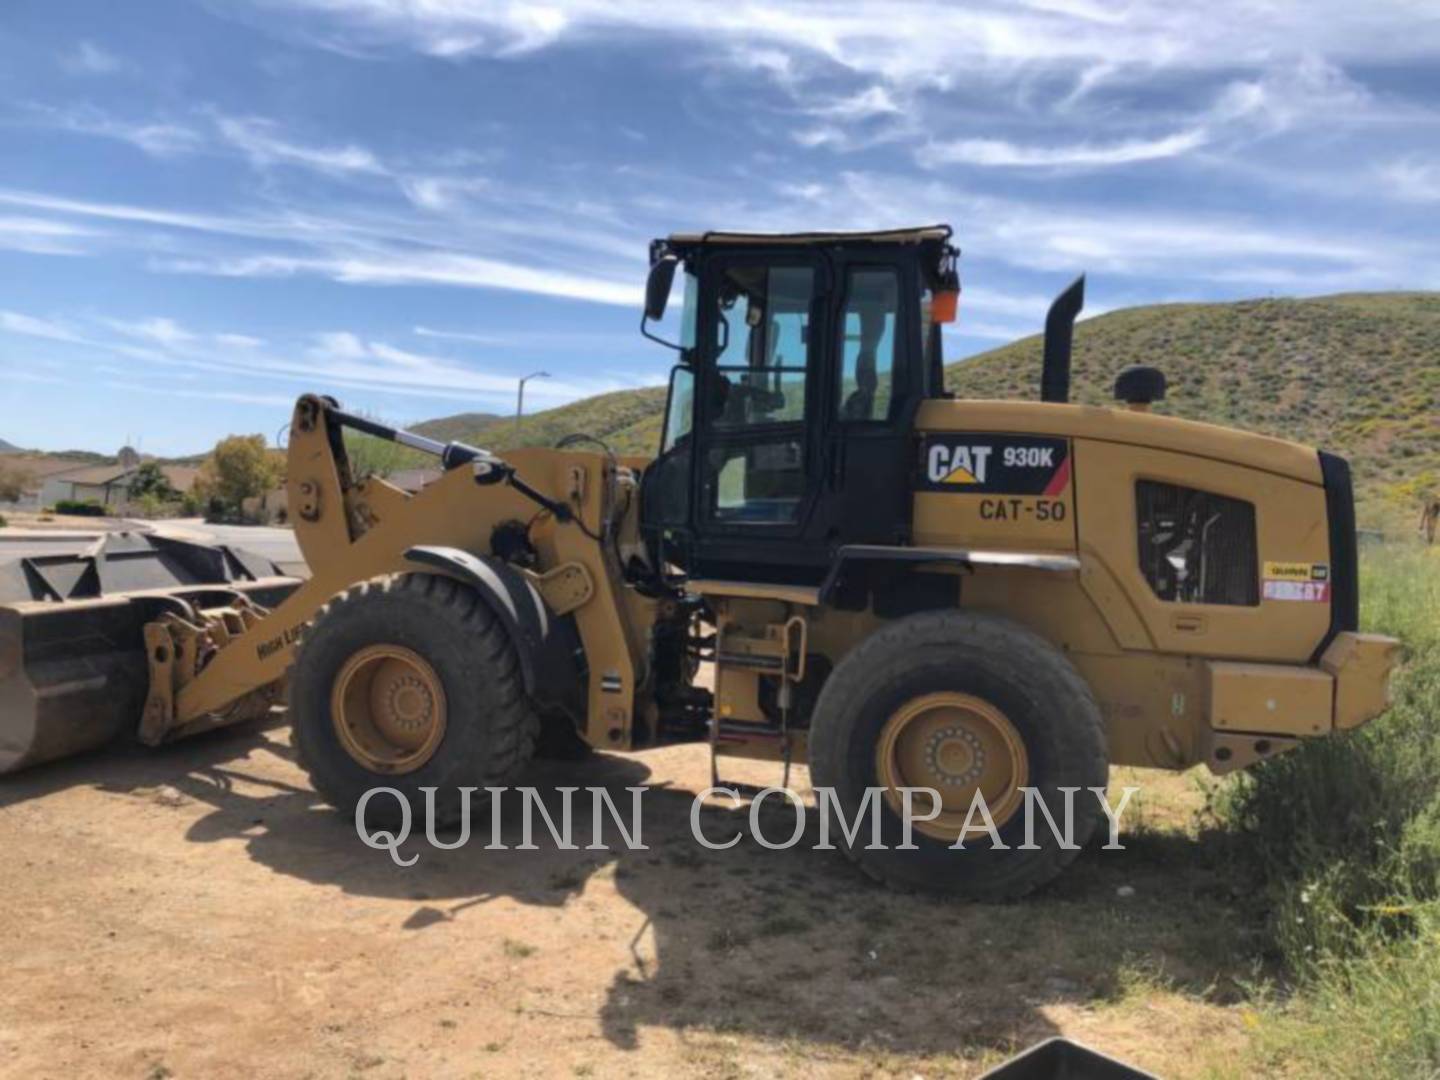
1146,429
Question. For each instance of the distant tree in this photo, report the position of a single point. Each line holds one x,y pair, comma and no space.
151,482
13,482
240,467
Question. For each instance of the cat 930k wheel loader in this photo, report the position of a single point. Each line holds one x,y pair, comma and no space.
903,589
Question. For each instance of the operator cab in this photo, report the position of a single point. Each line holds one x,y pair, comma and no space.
803,359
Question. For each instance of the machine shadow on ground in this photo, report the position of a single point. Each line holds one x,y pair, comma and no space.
784,945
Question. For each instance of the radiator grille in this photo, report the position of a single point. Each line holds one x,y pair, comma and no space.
1196,547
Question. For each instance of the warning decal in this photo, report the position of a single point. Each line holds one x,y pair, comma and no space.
1303,581
1297,571
982,463
1315,592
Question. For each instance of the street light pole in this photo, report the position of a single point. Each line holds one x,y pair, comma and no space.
520,398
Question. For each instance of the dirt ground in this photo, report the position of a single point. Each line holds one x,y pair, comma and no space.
194,912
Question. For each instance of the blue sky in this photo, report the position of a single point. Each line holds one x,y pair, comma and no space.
209,207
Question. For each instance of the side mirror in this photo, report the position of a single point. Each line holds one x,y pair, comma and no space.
657,286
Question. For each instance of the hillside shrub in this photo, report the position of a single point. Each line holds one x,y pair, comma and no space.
151,505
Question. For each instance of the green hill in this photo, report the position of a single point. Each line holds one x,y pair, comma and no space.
1356,373
462,427
628,420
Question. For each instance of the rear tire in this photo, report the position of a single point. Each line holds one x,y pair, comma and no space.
463,672
993,675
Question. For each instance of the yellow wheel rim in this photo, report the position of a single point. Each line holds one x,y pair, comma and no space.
956,744
388,707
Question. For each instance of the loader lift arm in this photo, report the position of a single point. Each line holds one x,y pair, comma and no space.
351,530
488,468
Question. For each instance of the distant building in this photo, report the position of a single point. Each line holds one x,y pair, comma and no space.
108,485
36,470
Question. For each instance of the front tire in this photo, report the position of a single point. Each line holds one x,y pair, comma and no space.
408,681
960,701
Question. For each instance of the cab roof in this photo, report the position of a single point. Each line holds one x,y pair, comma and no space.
916,235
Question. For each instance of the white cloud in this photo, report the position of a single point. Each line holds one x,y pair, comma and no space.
990,331
989,303
441,193
354,252
424,268
239,341
459,335
1000,153
339,345
902,41
1266,67
589,342
1411,180
872,101
40,236
16,322
87,58
158,331
345,358
339,358
22,375
142,215
169,389
824,135
1309,89
157,138
258,139
1051,236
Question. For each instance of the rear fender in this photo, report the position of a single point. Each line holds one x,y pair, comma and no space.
551,658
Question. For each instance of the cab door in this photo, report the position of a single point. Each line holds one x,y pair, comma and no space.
759,446
875,387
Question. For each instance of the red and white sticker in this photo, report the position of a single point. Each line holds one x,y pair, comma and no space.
1314,592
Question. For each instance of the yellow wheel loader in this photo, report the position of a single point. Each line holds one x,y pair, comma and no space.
924,598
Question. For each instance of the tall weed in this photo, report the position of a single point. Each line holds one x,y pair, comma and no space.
1343,836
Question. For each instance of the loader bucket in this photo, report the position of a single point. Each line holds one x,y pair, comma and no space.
1061,1059
73,668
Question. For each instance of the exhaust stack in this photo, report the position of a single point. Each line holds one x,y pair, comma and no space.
1059,330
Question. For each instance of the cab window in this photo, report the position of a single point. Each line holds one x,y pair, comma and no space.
762,345
868,332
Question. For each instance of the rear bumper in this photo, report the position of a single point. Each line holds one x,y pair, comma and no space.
1256,711
1360,664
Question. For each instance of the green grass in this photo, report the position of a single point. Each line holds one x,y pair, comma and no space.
1343,837
518,950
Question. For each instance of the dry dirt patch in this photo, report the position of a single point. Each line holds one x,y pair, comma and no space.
195,912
